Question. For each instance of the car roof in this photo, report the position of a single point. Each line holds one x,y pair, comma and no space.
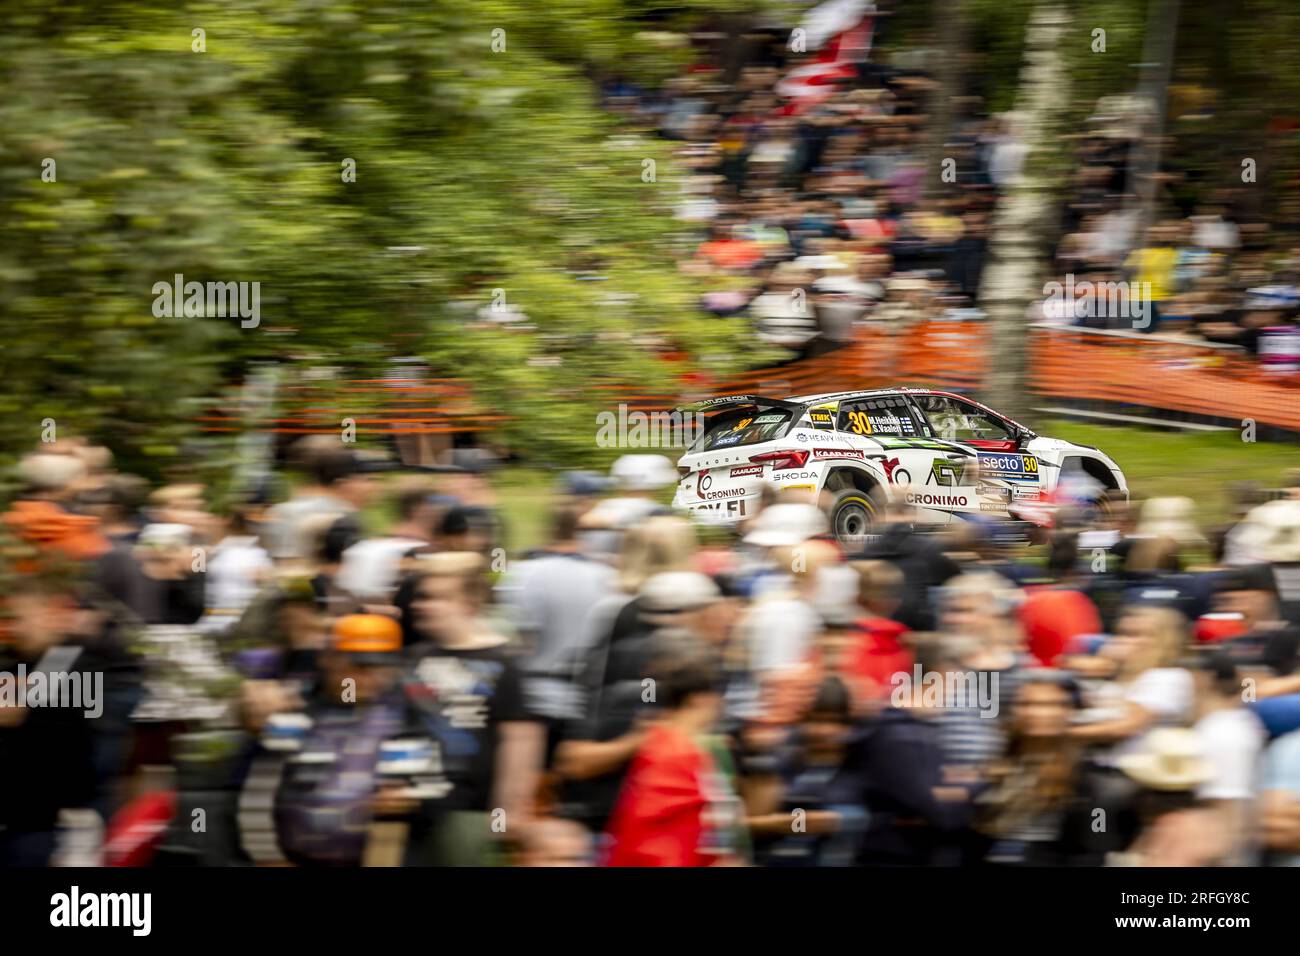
831,396
902,390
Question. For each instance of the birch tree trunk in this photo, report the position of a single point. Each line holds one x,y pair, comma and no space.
1013,277
954,34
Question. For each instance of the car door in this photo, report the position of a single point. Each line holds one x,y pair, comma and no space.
1003,471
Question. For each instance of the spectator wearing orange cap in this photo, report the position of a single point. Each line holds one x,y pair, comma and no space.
330,791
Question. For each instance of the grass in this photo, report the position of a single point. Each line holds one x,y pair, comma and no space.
1196,465
525,496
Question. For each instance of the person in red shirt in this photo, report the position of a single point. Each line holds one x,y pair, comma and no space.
677,806
1052,618
879,651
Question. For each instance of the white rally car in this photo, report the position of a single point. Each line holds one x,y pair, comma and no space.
947,456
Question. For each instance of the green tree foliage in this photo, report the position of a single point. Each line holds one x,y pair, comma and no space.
475,170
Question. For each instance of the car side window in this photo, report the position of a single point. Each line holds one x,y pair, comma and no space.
887,415
955,420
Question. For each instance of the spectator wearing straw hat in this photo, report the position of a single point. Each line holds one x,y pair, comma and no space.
1176,828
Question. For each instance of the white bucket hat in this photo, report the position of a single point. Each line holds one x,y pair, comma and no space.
1273,531
643,472
671,592
1170,518
786,525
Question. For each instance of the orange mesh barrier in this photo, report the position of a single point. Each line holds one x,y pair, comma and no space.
1156,373
1161,374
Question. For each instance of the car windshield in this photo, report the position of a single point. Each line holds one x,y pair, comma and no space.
746,426
956,420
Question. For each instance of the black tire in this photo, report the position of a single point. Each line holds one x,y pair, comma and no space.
853,515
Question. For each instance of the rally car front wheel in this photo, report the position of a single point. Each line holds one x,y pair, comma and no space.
853,514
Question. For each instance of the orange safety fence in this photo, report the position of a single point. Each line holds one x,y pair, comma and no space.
1158,373
1162,374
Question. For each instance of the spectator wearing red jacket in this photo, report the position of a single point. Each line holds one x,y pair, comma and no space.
879,651
677,806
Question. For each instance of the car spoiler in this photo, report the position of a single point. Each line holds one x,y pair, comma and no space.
735,401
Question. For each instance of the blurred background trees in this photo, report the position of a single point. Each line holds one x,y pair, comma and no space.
476,170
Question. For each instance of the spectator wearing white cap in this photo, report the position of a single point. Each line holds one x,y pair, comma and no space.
780,629
638,479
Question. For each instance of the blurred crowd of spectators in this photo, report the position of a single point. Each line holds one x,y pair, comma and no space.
360,673
818,217
1213,270
818,213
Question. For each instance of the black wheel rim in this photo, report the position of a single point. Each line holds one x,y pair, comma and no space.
852,521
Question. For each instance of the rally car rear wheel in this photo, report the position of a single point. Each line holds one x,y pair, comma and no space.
853,515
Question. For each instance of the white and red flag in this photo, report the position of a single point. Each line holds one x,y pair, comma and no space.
840,32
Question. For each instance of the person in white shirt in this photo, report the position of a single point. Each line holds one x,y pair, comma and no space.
1231,739
236,569
1148,690
371,567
